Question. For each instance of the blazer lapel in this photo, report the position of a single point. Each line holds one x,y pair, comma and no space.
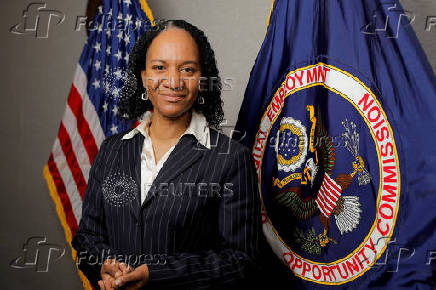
186,153
130,151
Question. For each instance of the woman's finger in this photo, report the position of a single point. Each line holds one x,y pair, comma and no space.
134,276
125,268
108,284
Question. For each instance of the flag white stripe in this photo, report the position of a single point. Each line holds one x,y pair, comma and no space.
326,204
67,178
70,122
80,83
318,202
326,210
330,181
328,195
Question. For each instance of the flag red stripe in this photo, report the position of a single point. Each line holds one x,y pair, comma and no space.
328,193
327,211
331,192
328,197
322,209
75,102
327,202
62,193
325,205
332,183
70,156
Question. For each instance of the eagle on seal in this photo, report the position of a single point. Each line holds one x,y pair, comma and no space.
327,198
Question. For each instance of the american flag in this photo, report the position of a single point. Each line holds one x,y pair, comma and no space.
91,113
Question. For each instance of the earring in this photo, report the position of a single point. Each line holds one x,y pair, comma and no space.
200,100
144,96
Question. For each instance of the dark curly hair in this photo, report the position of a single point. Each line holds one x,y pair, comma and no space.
132,106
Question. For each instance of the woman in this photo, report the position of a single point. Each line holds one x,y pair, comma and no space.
173,198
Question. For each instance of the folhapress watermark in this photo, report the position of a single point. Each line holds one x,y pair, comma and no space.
387,19
37,254
37,20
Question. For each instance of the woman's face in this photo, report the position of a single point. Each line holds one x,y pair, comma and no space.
172,72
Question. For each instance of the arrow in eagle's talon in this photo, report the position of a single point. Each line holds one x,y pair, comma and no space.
332,240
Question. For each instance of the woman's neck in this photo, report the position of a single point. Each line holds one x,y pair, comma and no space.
163,128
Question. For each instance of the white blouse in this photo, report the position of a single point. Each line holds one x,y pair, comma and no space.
149,168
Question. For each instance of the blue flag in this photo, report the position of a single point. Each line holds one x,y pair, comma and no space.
339,114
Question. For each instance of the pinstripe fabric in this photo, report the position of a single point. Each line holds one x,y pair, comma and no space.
198,228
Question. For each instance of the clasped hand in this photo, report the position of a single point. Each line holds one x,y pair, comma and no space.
117,275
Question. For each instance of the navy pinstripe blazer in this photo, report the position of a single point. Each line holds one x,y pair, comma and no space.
199,227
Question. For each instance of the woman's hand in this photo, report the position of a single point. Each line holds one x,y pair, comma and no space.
111,270
135,279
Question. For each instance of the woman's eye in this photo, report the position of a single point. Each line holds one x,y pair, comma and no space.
158,67
188,69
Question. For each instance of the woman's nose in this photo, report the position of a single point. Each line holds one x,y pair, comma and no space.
174,81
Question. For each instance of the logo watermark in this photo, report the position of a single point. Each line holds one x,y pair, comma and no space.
37,20
38,255
388,13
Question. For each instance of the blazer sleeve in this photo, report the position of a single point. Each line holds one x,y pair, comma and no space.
241,229
91,239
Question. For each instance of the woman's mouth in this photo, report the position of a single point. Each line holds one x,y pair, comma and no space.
172,97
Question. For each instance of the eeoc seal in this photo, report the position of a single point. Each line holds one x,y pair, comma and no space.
328,173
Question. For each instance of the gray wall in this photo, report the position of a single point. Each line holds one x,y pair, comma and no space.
35,80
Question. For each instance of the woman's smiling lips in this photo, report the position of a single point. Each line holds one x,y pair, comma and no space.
172,97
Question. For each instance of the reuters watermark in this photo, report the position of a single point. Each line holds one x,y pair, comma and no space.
204,84
200,189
